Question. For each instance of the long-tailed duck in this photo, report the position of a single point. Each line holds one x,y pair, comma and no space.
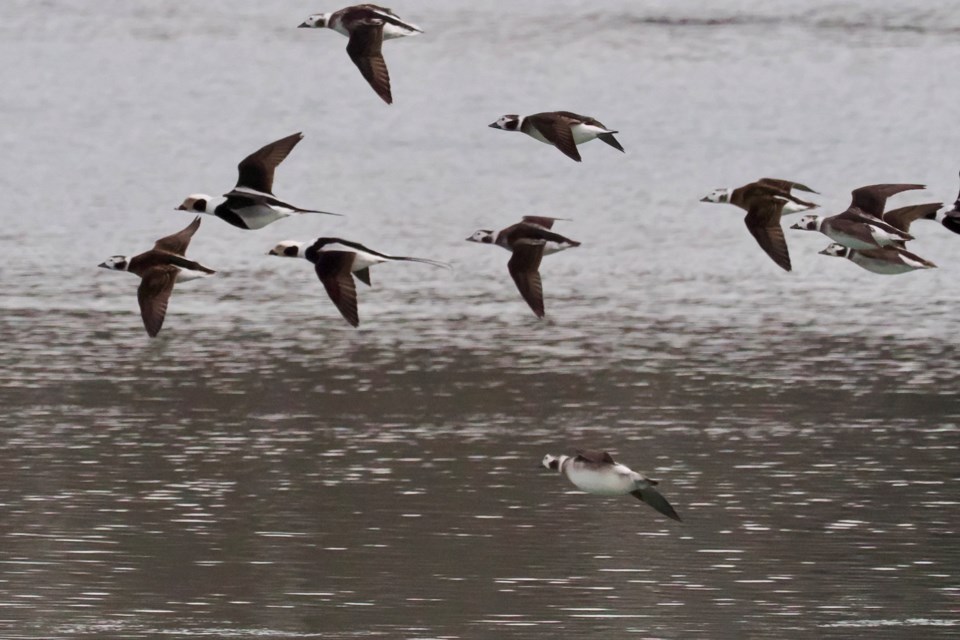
251,204
562,129
367,26
861,226
336,261
596,472
765,201
528,241
159,269
742,196
886,261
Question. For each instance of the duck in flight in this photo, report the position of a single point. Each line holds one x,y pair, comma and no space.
251,204
159,269
765,201
598,473
367,26
562,129
528,240
336,261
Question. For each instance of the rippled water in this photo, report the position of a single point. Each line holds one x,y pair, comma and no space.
263,470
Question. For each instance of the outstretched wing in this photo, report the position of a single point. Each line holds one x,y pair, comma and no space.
365,49
544,221
178,242
154,295
333,269
902,218
871,199
763,222
785,185
524,268
557,131
256,170
595,456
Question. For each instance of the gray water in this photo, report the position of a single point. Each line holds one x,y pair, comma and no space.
264,470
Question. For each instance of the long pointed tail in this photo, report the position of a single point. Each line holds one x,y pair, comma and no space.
610,140
328,213
653,498
435,263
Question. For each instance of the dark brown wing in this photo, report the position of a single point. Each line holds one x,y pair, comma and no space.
333,269
872,198
256,170
543,221
576,117
364,49
179,241
524,267
153,296
786,185
902,218
744,196
532,233
763,222
556,129
605,137
594,456
653,498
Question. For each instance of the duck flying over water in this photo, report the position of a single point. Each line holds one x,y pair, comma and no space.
772,187
598,473
251,204
862,226
885,261
894,259
562,129
528,240
159,269
336,261
367,26
765,201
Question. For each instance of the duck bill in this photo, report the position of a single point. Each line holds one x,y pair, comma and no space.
303,25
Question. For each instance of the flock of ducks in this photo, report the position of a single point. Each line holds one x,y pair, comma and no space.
252,205
865,233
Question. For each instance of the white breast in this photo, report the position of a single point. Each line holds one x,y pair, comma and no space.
260,215
883,267
606,481
846,240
